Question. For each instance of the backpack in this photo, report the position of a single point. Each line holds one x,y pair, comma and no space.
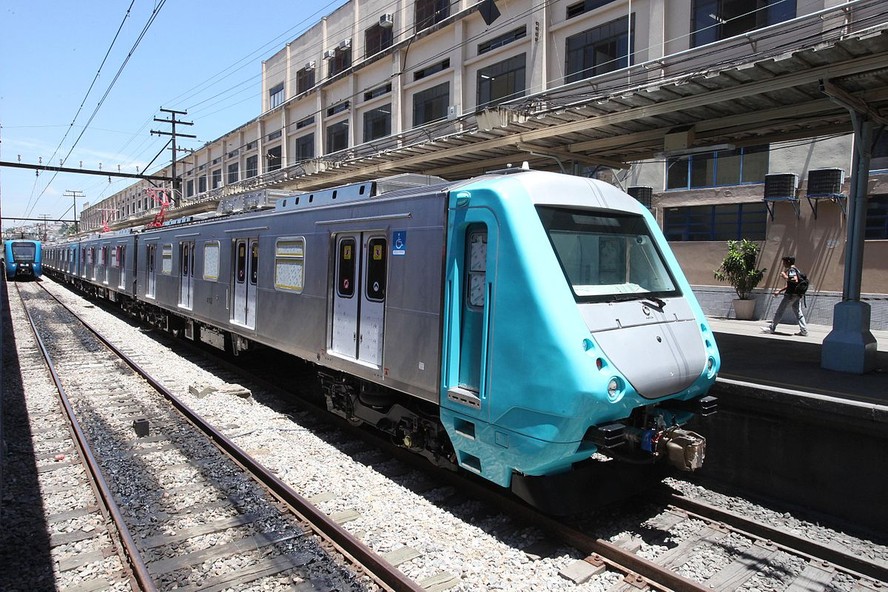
801,286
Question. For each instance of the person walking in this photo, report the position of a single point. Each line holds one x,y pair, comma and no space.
791,275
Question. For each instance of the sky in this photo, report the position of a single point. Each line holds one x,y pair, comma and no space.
81,84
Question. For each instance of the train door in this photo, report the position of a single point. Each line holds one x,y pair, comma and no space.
246,279
93,259
473,315
186,274
151,270
121,266
103,271
469,309
359,296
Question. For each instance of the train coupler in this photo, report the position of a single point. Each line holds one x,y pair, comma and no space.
684,449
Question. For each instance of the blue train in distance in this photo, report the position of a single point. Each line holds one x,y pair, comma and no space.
23,259
524,326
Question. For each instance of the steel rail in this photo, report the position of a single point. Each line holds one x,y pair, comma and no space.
139,569
856,565
384,573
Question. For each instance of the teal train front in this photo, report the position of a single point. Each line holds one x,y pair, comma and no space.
569,330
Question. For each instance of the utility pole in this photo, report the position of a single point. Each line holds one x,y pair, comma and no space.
173,121
75,194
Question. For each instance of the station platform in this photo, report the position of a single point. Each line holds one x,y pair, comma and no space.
785,361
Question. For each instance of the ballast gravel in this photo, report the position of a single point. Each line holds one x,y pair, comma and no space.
484,553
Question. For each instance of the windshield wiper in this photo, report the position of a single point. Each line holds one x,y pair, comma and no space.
655,302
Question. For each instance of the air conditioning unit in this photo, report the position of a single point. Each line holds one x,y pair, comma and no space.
386,21
825,181
781,186
345,44
643,194
329,54
310,65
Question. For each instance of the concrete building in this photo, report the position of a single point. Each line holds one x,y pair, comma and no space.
698,100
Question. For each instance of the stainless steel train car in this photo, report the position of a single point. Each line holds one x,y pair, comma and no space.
516,325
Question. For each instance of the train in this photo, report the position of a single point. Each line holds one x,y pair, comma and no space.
23,259
518,325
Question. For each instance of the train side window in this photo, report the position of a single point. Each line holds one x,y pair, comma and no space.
211,260
254,263
289,264
346,267
476,264
166,260
376,264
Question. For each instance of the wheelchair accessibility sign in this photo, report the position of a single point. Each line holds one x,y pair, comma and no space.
399,242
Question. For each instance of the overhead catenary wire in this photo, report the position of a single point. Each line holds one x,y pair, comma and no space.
126,60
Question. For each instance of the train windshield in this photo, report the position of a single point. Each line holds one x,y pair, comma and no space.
23,252
607,256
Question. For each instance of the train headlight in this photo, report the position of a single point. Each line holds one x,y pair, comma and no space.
710,367
615,389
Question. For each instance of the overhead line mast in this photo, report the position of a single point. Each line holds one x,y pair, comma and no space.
173,121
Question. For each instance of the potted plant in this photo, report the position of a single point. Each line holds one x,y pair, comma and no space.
739,269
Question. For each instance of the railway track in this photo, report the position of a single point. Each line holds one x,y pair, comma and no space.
661,544
202,519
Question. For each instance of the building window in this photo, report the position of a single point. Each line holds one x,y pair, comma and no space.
202,184
431,104
216,178
274,158
189,190
430,12
251,145
505,39
876,217
378,123
276,95
252,166
598,50
378,91
337,137
879,158
338,108
377,38
434,68
712,20
715,169
232,173
585,6
502,81
716,223
305,122
274,135
305,147
305,80
340,62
